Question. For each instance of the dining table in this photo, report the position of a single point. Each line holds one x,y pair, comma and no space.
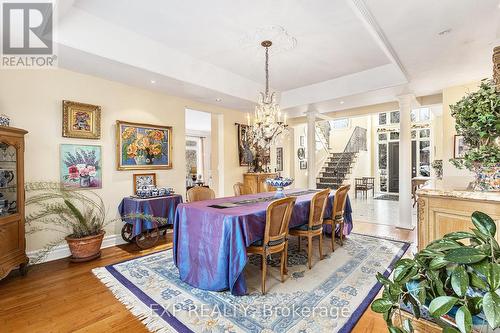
210,237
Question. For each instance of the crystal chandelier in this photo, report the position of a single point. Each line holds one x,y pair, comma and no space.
268,124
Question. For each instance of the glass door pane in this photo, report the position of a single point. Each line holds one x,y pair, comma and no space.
8,179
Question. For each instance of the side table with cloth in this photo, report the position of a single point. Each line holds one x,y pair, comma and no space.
163,207
210,241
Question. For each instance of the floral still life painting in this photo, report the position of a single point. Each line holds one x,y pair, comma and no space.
81,120
81,166
142,146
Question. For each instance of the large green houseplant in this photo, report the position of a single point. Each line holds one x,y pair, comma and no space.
447,277
477,117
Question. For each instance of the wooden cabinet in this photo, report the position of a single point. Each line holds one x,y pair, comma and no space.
443,211
256,181
12,238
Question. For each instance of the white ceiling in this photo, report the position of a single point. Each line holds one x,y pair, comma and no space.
361,51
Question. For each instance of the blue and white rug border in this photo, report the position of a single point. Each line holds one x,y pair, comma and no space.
140,304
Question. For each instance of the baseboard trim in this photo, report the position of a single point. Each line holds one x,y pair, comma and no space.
62,251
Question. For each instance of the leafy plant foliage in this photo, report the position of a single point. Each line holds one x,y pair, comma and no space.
447,274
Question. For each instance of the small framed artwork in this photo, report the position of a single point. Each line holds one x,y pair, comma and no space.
301,153
143,146
460,147
81,166
303,165
302,140
81,120
143,179
279,159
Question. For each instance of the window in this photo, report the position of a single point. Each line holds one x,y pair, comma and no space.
395,117
425,153
413,134
340,123
420,115
382,137
425,133
382,118
394,135
382,156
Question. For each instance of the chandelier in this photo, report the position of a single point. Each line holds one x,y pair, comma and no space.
268,125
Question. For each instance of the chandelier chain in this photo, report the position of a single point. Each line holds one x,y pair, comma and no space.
267,71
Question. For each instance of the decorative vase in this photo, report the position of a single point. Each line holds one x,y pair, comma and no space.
4,120
85,248
279,183
85,181
140,160
487,178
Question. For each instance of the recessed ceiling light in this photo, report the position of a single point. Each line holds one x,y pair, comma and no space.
444,32
218,99
153,81
342,102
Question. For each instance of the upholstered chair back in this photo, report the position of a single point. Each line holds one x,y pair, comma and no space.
200,193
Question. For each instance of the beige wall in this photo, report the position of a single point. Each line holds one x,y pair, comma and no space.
33,100
452,95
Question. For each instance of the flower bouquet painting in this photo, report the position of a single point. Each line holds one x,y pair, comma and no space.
142,146
81,166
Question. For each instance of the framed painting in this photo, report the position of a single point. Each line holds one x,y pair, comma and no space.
143,146
460,147
279,159
245,151
81,166
144,179
81,120
303,165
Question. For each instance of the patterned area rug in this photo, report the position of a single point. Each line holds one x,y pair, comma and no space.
391,197
331,297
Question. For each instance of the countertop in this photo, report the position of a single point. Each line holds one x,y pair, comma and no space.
454,187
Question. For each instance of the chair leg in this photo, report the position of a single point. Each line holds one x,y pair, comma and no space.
283,257
321,246
285,261
309,250
333,236
264,271
341,234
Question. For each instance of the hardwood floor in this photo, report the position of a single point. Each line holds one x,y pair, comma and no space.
61,296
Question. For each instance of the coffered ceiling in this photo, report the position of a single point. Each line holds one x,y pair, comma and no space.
328,54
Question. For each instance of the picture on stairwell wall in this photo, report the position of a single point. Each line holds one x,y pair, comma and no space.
303,165
279,159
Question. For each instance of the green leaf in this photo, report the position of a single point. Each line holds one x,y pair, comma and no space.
408,326
481,267
444,244
382,279
442,305
394,329
477,282
381,305
460,281
465,255
484,223
475,305
402,269
480,235
449,329
459,235
491,308
493,276
438,263
463,318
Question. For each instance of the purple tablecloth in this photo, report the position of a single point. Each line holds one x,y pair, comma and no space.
163,207
210,243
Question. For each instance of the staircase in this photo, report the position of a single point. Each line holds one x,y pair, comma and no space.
338,166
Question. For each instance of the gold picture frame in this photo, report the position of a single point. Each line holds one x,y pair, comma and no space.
143,146
80,120
143,177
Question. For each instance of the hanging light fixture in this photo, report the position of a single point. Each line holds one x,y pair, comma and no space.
268,125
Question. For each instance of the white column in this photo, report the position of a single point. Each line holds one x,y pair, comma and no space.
405,203
311,148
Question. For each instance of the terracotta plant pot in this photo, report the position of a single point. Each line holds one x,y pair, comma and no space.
86,248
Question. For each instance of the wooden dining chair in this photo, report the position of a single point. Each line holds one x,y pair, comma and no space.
200,193
337,217
275,240
241,189
314,227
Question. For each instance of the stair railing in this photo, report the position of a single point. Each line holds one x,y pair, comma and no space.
321,137
356,142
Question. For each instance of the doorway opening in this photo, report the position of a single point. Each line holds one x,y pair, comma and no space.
198,148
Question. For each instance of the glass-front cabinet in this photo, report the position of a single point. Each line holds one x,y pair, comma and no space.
12,237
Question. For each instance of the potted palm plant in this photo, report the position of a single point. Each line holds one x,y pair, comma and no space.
457,283
79,217
477,117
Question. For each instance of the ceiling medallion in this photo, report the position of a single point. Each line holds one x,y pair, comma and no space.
282,41
268,124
